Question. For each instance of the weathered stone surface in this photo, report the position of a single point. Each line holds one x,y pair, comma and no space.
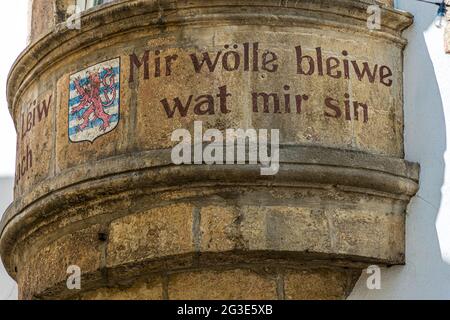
42,18
219,229
319,284
140,227
369,233
45,266
151,289
222,285
160,232
382,134
286,229
353,232
387,2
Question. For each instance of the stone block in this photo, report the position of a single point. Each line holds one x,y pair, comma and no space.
156,233
236,284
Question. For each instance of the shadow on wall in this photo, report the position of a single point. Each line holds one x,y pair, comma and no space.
8,288
426,274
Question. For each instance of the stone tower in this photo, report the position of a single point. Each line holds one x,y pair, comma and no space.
95,101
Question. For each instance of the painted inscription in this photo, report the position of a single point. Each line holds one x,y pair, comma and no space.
250,57
36,113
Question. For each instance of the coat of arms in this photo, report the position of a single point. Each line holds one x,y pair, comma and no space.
94,103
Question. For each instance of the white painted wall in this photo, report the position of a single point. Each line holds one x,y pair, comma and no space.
8,288
426,274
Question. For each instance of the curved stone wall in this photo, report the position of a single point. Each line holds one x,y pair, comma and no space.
103,194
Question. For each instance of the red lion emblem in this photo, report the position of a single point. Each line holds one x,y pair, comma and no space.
91,97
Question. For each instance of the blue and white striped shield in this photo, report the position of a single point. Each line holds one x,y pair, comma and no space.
94,102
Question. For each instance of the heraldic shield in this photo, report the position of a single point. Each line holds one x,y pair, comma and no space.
94,102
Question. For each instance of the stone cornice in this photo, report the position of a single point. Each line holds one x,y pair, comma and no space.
320,168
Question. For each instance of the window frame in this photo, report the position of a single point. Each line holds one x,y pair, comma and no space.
83,5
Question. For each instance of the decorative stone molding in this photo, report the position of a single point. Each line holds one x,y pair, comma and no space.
46,14
139,226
